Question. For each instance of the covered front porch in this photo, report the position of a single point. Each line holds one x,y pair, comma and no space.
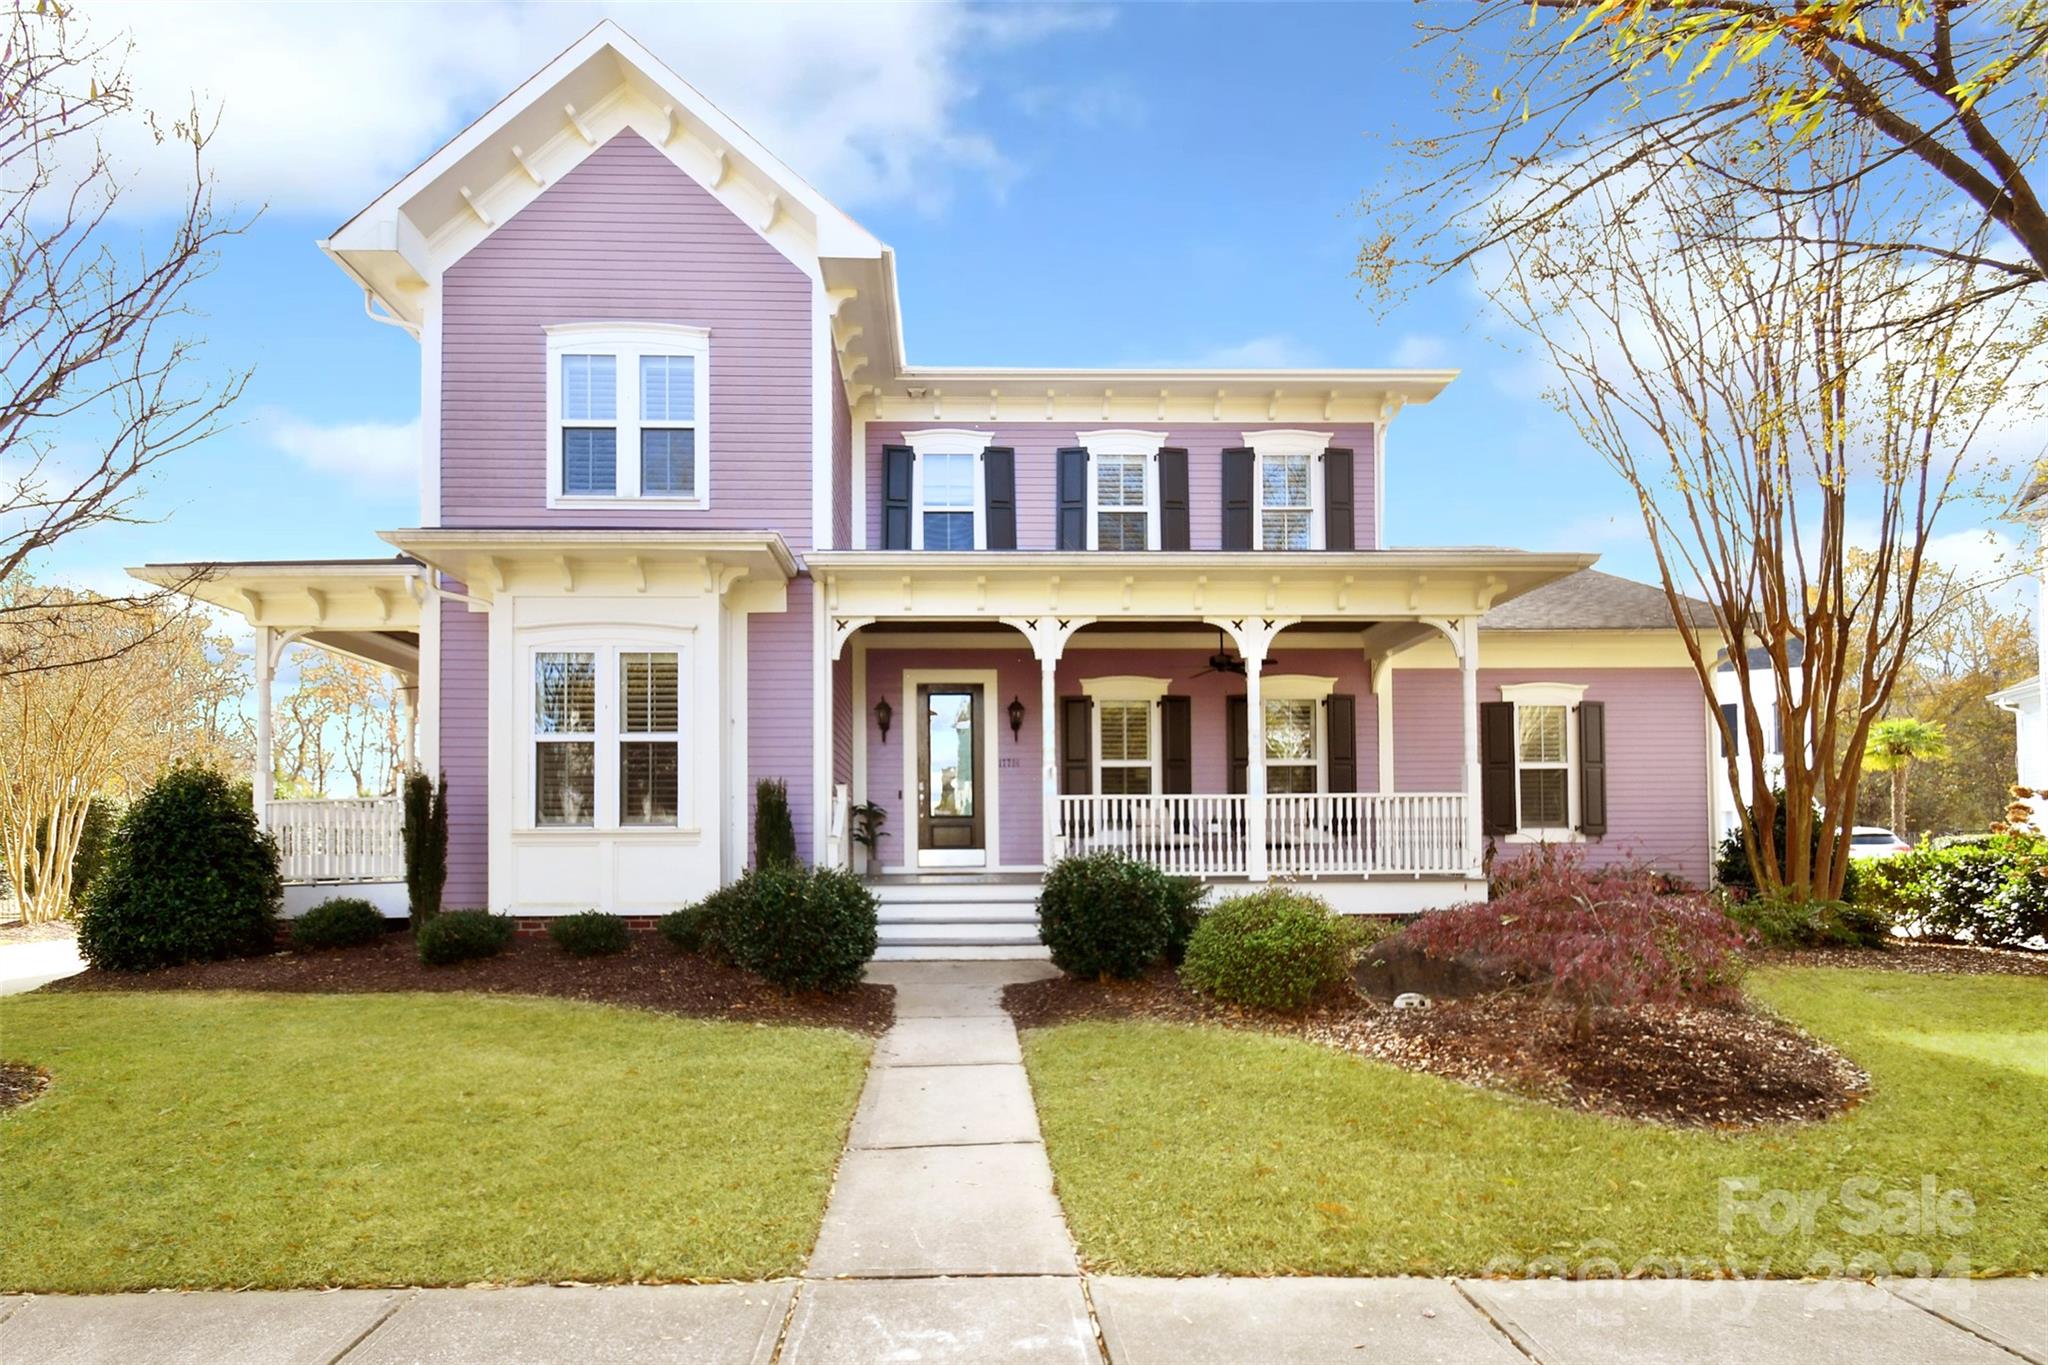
1233,720
365,609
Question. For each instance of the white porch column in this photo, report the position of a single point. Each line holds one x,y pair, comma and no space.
1255,763
822,656
263,780
1048,636
409,692
1468,681
1383,719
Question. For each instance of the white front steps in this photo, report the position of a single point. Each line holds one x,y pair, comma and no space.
966,916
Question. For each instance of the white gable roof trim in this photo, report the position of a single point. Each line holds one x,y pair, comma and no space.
602,85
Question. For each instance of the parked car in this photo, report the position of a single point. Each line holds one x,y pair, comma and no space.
1875,841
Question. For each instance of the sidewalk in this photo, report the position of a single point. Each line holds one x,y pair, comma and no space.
943,1243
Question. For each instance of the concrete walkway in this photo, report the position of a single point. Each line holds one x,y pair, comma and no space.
25,966
943,1243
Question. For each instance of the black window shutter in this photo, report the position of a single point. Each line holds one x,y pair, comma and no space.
1237,499
1340,501
1593,768
1072,490
1497,767
999,478
1342,723
1177,746
1237,725
1173,499
896,497
1077,746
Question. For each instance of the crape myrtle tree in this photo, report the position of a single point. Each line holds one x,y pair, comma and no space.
1771,393
98,384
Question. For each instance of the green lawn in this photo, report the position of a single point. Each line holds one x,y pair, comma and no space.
1181,1150
242,1140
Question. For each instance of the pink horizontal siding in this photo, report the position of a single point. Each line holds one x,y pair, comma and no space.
465,752
779,708
1656,753
626,237
1036,444
1018,759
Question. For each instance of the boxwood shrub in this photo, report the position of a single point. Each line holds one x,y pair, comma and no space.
460,935
189,876
688,930
1779,923
342,922
1276,949
1991,891
802,928
590,934
1105,915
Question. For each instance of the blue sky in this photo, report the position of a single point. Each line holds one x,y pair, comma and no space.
1151,184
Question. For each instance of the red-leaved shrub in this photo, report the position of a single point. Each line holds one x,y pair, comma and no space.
1594,935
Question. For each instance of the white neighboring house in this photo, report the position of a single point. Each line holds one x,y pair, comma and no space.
1763,698
2028,701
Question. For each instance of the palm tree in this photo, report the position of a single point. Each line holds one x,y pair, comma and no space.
1895,744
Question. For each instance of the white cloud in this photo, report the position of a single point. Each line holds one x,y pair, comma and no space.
323,106
377,458
1422,351
1275,352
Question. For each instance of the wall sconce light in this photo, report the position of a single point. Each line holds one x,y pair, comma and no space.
1016,719
882,717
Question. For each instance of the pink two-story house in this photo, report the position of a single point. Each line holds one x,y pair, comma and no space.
689,518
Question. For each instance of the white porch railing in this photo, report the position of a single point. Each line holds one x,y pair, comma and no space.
1189,836
349,839
1350,834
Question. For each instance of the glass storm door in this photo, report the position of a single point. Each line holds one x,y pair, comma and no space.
949,794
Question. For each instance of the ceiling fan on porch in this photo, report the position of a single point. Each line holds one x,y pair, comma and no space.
1223,661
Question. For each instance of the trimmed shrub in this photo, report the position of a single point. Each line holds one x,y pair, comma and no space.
426,845
342,922
590,934
1779,923
1595,936
774,830
804,929
1731,863
1105,915
1991,891
1364,931
690,929
1276,949
460,935
189,876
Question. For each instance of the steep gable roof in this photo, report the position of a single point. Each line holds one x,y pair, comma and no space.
605,82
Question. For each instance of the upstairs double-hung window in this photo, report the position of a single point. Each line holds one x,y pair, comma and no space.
947,507
628,413
1286,501
1122,510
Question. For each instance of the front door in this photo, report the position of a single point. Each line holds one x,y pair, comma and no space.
950,799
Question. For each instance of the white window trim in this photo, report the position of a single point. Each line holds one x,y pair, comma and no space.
1145,444
1567,695
627,342
948,441
1303,687
1126,688
1288,442
605,739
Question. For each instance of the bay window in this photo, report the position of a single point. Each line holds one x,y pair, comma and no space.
628,413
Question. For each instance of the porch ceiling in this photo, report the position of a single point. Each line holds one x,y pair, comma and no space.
364,608
1393,586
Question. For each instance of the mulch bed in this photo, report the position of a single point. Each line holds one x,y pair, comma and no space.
650,975
1926,959
1717,1068
20,1083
